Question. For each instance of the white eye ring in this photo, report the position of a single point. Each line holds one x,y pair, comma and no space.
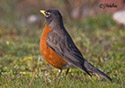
47,14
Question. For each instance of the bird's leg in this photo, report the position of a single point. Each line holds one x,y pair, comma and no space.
67,72
59,72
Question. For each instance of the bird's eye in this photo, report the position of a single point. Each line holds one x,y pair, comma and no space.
47,14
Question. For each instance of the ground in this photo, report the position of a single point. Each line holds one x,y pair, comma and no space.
100,40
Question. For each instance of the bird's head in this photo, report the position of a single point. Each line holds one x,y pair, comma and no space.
53,17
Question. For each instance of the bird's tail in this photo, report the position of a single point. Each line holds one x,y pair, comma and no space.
92,69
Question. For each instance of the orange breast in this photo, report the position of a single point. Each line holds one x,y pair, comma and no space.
48,54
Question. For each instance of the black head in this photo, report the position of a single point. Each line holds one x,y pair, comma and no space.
53,17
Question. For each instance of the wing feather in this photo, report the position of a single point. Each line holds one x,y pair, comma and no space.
65,47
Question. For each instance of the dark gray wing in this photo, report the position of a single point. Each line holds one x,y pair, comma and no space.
63,45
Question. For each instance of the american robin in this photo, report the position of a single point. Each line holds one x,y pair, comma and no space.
58,48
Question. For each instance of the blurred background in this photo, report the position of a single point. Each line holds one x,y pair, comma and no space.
23,12
96,26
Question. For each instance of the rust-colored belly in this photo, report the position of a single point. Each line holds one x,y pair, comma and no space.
48,54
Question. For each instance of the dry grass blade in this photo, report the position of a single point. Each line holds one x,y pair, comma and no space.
35,72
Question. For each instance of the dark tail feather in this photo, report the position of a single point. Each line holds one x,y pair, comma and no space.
91,68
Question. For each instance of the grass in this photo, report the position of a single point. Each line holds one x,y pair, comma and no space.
100,40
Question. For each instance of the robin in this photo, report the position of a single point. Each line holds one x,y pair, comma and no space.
58,48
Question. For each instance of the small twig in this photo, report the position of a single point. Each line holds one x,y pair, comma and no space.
35,72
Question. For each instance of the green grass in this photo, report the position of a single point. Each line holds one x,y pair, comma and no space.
100,40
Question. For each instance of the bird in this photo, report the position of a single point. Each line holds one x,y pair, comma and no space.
58,48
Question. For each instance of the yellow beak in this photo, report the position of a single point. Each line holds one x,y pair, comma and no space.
43,12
